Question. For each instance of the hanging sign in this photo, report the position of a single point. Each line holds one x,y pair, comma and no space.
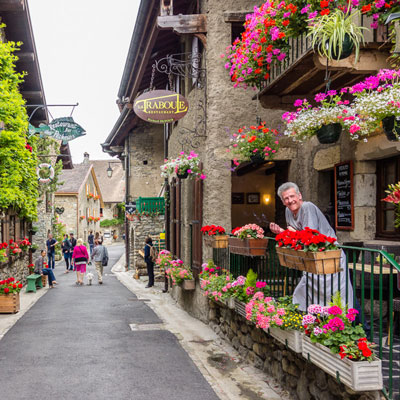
64,129
160,106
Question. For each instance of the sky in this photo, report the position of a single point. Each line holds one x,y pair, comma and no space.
82,46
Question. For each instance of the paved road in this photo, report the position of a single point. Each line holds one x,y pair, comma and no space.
76,343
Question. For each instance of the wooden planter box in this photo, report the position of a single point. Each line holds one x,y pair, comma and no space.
9,303
217,242
291,338
240,308
358,375
248,247
321,262
188,284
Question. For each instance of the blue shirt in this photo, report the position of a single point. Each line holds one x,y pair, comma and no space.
50,248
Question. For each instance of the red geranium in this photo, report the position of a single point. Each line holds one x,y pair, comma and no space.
212,230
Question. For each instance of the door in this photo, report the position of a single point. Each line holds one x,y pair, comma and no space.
196,223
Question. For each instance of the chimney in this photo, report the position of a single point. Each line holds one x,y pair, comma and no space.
85,158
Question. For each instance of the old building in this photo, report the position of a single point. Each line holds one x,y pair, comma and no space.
81,200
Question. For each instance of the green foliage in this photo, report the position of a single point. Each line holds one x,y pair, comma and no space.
18,181
106,223
251,281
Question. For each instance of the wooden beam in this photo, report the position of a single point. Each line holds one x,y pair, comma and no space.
369,61
203,39
195,23
337,75
30,94
25,57
235,16
276,102
12,5
306,77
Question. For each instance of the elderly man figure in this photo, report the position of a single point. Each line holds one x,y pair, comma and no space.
299,215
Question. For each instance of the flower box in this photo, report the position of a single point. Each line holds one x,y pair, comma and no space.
248,247
291,338
217,242
240,308
321,262
188,284
358,375
9,303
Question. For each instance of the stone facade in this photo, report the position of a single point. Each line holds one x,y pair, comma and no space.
302,379
16,267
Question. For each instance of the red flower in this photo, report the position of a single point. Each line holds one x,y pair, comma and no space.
285,22
366,8
324,3
325,11
6,290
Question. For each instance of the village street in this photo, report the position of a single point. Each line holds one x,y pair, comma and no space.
98,342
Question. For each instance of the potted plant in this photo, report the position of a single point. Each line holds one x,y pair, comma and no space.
248,240
255,144
308,250
82,217
339,347
14,250
335,34
216,235
33,248
31,268
25,244
9,295
163,260
3,252
183,166
180,275
393,197
33,230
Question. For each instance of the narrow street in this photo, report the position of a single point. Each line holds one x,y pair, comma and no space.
77,343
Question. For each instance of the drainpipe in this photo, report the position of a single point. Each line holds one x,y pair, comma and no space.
77,216
127,197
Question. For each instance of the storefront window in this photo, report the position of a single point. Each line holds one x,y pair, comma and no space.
388,172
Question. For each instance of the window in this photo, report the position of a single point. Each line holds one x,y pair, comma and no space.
237,30
388,172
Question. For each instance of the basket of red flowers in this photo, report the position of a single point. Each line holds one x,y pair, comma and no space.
9,295
308,250
215,236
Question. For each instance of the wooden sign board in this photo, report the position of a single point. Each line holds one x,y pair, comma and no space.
160,106
344,198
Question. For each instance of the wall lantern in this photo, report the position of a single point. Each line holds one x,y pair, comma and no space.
109,171
267,198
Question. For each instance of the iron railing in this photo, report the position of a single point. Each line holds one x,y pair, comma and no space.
151,205
375,278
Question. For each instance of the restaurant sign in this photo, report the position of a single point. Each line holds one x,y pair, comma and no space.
160,106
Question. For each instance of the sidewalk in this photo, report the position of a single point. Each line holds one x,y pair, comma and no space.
219,363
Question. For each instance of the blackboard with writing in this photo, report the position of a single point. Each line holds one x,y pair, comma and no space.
344,214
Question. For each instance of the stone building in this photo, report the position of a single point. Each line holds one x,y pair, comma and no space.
81,200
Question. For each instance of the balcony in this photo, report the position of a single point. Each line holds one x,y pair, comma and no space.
303,72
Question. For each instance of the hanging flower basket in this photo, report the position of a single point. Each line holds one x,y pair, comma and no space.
358,375
9,303
257,158
183,176
347,49
248,247
391,128
290,338
321,262
330,133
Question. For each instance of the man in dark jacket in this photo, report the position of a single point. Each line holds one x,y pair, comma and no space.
149,262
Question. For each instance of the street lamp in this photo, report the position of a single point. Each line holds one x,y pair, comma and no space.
109,171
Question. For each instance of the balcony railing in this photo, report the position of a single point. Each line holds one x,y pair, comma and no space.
151,205
375,278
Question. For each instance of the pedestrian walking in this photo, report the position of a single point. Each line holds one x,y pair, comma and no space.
299,215
40,270
91,242
149,259
73,244
100,254
51,250
80,258
66,247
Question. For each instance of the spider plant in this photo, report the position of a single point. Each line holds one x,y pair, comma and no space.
335,34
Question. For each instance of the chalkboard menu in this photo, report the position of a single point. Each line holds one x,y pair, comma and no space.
344,214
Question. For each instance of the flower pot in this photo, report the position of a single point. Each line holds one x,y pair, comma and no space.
330,133
217,242
358,375
291,338
44,280
347,48
321,262
9,303
32,250
257,158
248,247
188,284
33,231
240,308
391,128
182,176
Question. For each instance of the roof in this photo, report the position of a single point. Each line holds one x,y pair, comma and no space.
73,179
112,189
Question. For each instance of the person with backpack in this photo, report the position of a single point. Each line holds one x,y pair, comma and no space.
66,247
150,255
100,258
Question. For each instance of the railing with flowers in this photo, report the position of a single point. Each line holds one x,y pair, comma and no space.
370,282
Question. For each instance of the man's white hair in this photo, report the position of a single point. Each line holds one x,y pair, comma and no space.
286,186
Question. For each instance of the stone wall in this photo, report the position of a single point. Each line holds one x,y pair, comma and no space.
43,224
17,268
304,380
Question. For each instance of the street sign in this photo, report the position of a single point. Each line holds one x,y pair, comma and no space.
64,129
130,208
161,106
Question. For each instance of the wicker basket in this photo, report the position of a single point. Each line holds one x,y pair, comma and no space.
248,247
321,263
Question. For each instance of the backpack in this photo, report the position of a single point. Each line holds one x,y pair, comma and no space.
104,260
153,253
